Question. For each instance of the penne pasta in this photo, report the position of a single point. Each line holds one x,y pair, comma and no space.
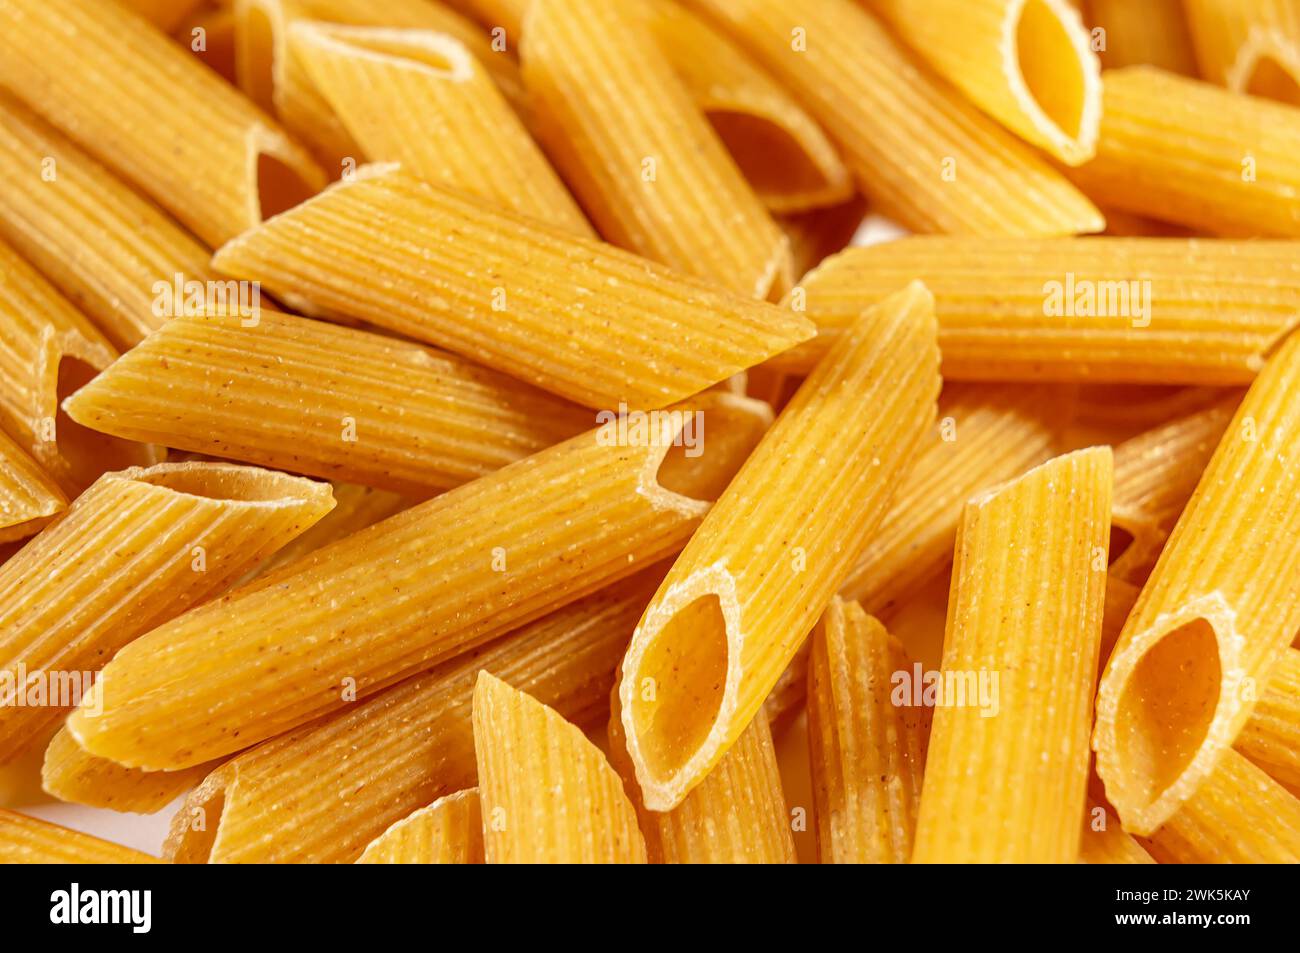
636,150
1120,310
1151,33
751,583
28,497
70,774
324,400
406,593
868,752
784,155
736,815
52,194
492,286
1271,739
920,153
1251,48
323,792
421,98
548,794
1006,776
985,434
448,831
1104,841
26,840
1238,816
203,152
1155,475
1157,156
1220,605
1027,63
88,585
47,351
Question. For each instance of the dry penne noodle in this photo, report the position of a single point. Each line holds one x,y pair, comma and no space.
448,831
1220,605
1105,842
70,774
1156,473
1249,46
87,585
419,587
1239,815
636,150
26,840
817,234
985,435
1157,156
47,351
776,546
270,72
1150,33
324,400
421,98
1026,609
736,815
454,271
548,795
1027,63
1120,310
868,751
166,15
920,153
28,497
1271,739
52,193
323,792
203,152
783,153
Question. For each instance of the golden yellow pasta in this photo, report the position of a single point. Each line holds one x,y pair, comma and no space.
1156,473
419,587
26,840
210,35
1104,841
323,792
1271,739
783,153
777,545
1027,63
1249,46
324,400
1153,33
448,831
1220,605
421,98
87,586
1138,310
1157,156
985,434
920,153
47,351
736,815
70,774
28,497
868,751
105,248
637,151
203,151
548,795
493,286
1007,771
1239,815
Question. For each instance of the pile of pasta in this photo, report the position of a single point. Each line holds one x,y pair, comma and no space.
462,433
